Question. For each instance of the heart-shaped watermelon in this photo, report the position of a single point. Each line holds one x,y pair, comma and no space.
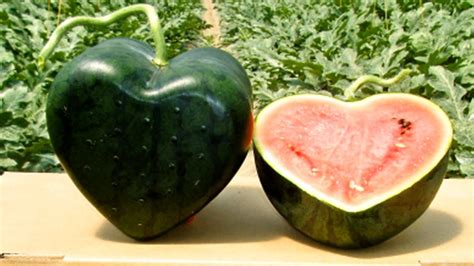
149,147
148,141
351,174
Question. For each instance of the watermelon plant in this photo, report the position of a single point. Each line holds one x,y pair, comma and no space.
352,174
293,47
147,139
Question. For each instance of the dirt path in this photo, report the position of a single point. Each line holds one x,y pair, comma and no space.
211,16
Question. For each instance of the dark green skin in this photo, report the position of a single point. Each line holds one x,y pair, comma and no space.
149,147
338,228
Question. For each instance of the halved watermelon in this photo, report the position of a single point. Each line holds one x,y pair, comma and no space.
351,174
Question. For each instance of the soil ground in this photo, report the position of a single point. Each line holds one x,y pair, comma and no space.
211,17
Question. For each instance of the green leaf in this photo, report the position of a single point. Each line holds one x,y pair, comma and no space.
10,134
467,73
443,81
13,97
466,161
470,116
5,56
464,133
7,163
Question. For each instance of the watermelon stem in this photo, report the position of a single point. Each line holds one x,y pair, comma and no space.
349,93
156,30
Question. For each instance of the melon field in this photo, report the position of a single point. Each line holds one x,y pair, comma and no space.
286,47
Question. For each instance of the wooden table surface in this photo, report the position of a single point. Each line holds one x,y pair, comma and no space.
44,218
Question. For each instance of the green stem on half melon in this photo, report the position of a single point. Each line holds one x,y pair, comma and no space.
352,174
350,91
156,30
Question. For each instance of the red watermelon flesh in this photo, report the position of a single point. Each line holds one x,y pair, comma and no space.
353,154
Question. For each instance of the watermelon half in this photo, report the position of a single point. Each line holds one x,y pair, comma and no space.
351,174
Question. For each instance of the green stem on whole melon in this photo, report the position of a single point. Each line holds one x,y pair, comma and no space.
350,91
156,30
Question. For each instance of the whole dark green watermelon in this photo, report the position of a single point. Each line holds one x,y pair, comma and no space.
150,146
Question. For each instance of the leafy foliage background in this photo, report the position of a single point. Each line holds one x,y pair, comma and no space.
290,47
24,28
286,46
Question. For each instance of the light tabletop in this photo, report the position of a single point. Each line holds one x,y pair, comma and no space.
44,218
